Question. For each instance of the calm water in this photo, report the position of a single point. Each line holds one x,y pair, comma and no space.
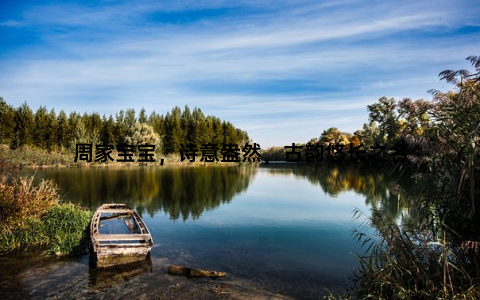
283,228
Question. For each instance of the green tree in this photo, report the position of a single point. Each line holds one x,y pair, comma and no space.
41,127
108,131
187,126
52,130
120,127
81,135
369,135
7,124
333,135
200,132
24,125
142,116
384,114
73,120
130,118
173,132
63,138
93,126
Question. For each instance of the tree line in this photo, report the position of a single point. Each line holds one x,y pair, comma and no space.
416,123
47,130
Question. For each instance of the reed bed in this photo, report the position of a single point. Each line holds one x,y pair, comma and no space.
403,264
32,216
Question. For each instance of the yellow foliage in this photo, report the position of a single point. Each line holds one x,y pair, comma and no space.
20,199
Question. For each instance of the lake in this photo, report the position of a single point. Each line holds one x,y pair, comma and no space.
282,228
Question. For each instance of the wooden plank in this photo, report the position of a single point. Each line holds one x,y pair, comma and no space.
125,245
140,224
115,210
121,251
94,224
121,237
114,216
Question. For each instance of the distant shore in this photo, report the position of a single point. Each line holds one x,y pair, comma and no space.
37,158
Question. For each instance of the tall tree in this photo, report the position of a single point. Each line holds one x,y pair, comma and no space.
142,116
52,131
120,128
24,125
108,131
187,130
41,128
130,118
173,132
73,120
157,122
7,124
369,135
95,127
384,113
200,132
63,131
333,135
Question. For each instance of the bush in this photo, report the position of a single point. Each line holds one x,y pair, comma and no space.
66,227
28,234
32,216
20,199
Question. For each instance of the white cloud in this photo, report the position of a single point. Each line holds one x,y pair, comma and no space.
276,70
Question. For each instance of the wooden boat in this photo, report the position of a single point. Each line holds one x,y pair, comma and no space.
118,236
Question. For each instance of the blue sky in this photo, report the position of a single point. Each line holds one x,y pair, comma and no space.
281,70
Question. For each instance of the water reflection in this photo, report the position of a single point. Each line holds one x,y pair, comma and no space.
99,279
187,192
375,184
180,192
284,227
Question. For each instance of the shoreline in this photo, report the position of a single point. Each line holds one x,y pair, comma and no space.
44,277
32,158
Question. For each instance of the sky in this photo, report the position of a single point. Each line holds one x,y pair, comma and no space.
284,71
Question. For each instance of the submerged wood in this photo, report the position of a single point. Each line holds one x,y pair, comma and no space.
194,273
109,249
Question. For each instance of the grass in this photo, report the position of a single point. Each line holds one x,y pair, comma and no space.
33,157
66,228
27,156
33,217
20,199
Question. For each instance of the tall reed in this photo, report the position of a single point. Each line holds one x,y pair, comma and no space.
404,264
31,216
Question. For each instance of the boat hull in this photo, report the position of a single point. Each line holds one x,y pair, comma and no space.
110,249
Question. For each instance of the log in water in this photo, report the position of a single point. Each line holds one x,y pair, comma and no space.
194,273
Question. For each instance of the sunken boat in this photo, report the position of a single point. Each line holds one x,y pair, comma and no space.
118,236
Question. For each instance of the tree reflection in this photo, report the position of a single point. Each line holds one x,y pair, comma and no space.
186,192
379,186
179,192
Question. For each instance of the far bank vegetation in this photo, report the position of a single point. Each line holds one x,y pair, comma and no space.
44,137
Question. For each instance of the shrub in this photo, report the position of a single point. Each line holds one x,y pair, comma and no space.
32,216
66,227
20,199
